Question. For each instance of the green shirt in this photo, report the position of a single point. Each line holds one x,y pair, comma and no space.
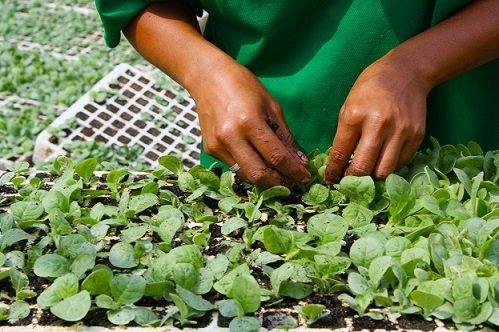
308,54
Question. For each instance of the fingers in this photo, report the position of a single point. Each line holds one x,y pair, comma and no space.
264,159
281,130
375,155
344,144
277,155
253,169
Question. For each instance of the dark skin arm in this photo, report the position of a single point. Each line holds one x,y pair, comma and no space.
383,118
240,121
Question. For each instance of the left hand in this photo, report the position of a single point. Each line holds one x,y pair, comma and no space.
382,122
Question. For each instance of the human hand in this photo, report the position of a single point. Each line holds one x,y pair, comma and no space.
242,123
382,122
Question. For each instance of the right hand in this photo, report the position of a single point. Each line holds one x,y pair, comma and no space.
242,123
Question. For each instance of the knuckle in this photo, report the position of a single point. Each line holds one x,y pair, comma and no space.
224,133
358,169
275,107
338,156
277,158
210,148
351,116
255,176
419,133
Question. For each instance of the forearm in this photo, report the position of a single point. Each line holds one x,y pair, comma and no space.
462,42
167,35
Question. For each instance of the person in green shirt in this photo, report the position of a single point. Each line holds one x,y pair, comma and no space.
274,80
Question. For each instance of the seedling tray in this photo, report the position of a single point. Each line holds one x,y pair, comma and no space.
337,317
128,108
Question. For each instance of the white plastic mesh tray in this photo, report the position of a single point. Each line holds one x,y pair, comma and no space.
135,112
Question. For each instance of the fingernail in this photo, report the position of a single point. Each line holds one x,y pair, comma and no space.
307,179
302,156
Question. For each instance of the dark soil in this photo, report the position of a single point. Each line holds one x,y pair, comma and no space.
349,240
7,189
337,312
361,323
47,319
223,321
97,317
414,322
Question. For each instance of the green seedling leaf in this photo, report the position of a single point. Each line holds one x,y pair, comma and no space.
360,190
277,240
494,317
122,255
145,316
127,288
98,282
218,265
377,269
171,163
232,224
427,301
490,251
185,275
194,301
18,280
227,204
226,182
295,290
357,215
188,254
133,233
18,310
244,324
289,271
73,308
55,199
396,245
276,191
58,223
205,281
224,285
327,227
26,210
246,291
62,288
106,302
83,263
74,244
86,168
230,308
122,316
311,312
365,250
399,193
51,266
316,195
466,309
114,178
142,202
13,236
486,310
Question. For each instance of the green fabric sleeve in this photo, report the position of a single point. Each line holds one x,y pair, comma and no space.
115,15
